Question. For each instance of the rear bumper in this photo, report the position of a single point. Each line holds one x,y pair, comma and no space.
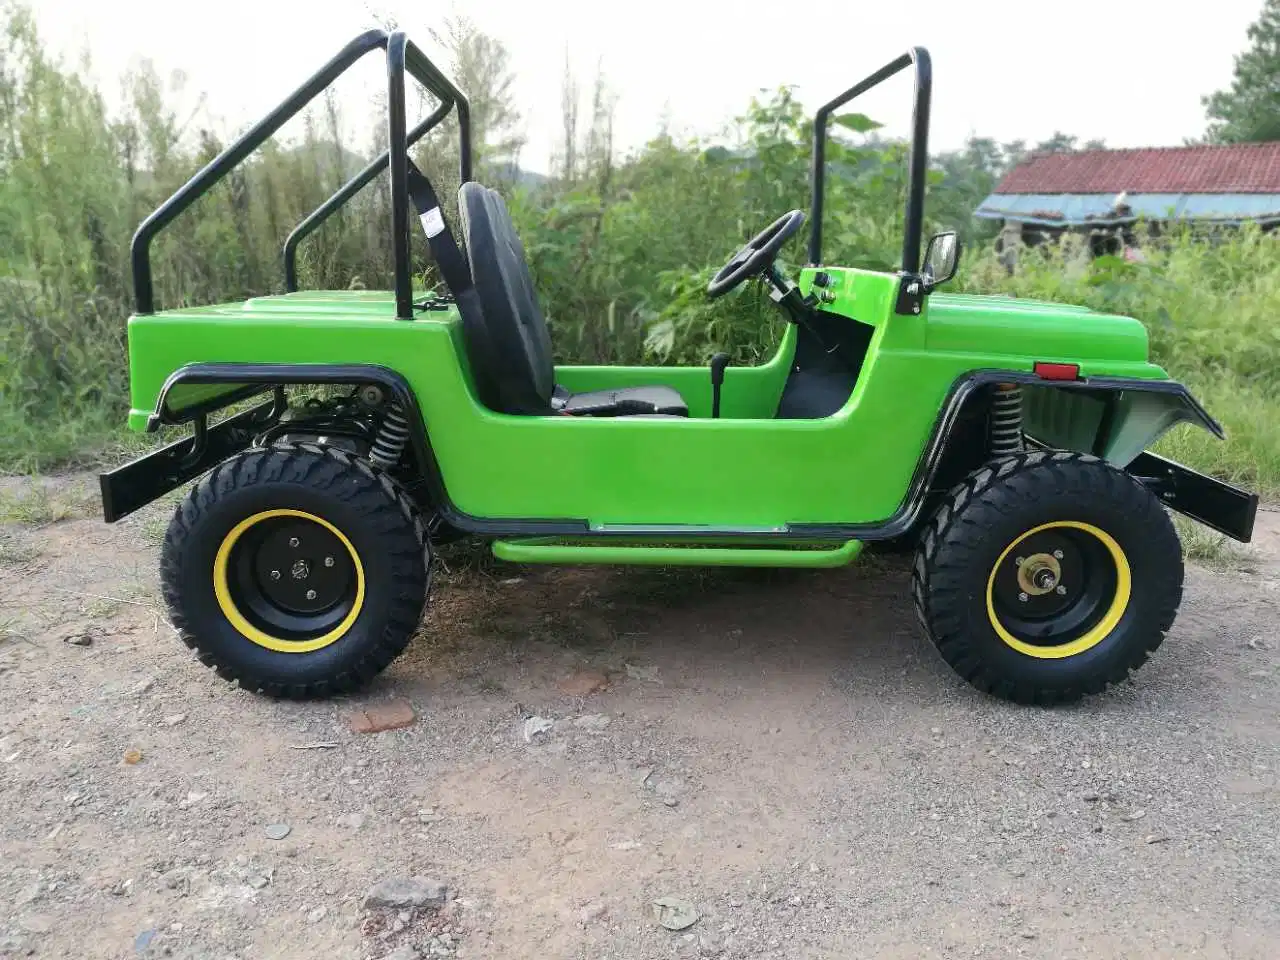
134,485
1219,505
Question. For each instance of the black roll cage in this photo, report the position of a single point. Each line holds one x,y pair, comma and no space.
917,164
402,56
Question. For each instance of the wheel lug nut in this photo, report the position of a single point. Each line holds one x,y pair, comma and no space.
1062,591
275,574
1057,554
293,541
1022,597
311,594
328,561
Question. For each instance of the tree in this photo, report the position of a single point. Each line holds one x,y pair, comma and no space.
1250,109
481,71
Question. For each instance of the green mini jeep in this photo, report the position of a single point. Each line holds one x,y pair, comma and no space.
1007,438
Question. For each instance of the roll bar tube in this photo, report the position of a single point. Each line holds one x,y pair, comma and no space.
402,55
918,162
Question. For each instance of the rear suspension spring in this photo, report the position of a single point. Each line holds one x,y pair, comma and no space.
392,437
1006,420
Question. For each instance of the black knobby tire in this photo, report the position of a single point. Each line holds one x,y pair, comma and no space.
382,530
972,538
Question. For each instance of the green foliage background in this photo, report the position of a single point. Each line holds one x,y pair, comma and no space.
621,248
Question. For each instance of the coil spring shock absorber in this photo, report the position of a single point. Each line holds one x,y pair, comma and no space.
393,435
1006,420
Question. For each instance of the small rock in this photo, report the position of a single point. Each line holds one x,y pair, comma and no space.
403,952
36,923
535,726
30,894
1135,815
277,831
670,801
1156,839
259,882
669,788
318,914
352,821
709,945
1091,797
583,683
511,581
143,940
133,757
398,893
144,686
627,845
674,913
174,719
593,911
84,639
192,798
391,715
643,674
122,887
594,722
1258,643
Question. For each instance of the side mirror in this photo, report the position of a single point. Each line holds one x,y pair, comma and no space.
941,258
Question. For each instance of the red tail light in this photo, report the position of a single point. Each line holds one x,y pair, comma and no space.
1057,371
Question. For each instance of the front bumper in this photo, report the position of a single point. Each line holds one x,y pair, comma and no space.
1219,505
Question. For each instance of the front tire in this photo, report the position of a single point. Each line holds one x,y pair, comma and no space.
1047,576
298,571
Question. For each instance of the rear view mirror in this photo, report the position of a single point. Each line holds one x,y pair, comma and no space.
941,258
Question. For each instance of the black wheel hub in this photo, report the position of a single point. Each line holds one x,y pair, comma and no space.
292,577
1054,586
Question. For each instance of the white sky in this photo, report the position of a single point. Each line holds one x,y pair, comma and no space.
1129,71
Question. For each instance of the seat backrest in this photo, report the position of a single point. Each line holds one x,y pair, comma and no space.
513,350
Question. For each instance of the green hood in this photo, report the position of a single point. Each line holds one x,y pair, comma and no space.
1037,329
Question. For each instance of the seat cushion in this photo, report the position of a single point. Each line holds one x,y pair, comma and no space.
622,402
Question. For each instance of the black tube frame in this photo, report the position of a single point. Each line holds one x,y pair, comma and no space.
402,56
918,162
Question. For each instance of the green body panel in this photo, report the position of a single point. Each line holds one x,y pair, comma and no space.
535,551
746,470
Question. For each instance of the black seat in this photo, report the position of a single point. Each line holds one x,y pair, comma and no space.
507,338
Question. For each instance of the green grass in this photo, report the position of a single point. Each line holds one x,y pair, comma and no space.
1250,456
36,505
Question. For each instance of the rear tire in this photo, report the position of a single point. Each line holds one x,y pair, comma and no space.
298,571
1047,576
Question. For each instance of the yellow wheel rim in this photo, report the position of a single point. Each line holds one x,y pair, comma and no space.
1095,634
230,610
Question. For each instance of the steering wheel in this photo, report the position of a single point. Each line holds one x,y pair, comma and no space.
757,256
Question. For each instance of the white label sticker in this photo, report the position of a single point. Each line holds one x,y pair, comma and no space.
433,222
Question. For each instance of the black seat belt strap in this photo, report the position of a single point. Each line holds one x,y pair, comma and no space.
444,248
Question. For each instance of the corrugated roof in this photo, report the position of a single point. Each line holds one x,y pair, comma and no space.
1225,168
1073,209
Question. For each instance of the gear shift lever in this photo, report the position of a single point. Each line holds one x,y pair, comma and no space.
718,363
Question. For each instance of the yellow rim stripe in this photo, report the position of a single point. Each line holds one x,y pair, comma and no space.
1101,630
249,631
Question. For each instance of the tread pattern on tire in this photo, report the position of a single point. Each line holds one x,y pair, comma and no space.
962,520
353,480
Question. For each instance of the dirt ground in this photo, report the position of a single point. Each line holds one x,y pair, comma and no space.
783,751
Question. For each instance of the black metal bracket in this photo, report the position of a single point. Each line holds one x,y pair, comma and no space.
917,163
137,483
402,56
1217,505
910,300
